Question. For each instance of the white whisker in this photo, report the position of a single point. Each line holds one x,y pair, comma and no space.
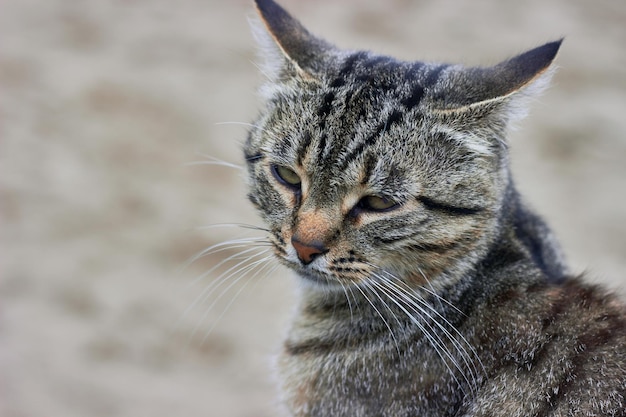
399,291
211,160
436,343
240,270
247,124
217,163
393,336
204,294
225,246
432,292
407,291
412,304
264,263
345,291
239,225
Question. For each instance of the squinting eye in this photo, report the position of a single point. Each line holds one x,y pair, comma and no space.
286,176
376,203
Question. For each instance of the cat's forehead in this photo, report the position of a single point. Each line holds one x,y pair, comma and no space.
383,73
363,122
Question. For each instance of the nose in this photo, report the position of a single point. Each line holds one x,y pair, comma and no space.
308,251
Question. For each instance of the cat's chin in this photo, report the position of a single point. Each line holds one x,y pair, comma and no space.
317,279
314,278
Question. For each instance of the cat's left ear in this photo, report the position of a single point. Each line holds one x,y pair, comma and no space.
289,49
522,76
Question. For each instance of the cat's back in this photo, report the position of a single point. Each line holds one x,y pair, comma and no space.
551,350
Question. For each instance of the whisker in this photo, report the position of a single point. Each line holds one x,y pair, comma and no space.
422,308
431,289
217,163
432,292
264,263
408,291
224,246
206,292
211,160
243,270
247,124
460,349
418,304
393,336
239,225
435,342
345,291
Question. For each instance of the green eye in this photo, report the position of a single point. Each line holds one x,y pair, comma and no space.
376,203
286,176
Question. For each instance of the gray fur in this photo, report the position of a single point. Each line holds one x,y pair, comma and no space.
452,299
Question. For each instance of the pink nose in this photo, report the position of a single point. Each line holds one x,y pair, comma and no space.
308,251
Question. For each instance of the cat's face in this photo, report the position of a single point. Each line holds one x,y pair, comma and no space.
353,180
364,167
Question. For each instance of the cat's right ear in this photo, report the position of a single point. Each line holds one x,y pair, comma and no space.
511,82
288,49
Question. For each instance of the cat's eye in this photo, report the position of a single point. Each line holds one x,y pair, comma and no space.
286,176
377,203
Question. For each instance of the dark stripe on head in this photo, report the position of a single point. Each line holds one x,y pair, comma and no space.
411,74
433,76
393,118
304,146
448,208
378,73
321,145
347,68
414,98
285,145
325,108
417,90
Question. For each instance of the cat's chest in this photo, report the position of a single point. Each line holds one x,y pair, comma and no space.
365,380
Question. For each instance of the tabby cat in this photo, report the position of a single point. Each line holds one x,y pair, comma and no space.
428,287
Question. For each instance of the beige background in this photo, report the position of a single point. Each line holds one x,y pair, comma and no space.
102,105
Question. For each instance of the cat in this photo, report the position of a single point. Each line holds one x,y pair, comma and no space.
428,287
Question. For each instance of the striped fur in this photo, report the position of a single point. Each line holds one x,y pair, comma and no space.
429,288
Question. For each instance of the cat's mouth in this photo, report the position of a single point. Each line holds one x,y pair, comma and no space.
325,270
312,275
328,275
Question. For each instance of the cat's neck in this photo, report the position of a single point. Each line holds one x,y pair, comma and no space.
524,238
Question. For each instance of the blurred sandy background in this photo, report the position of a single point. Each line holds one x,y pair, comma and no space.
102,105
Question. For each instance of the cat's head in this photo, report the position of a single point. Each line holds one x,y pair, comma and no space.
362,165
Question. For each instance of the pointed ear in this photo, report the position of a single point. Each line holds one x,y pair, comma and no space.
527,73
289,49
